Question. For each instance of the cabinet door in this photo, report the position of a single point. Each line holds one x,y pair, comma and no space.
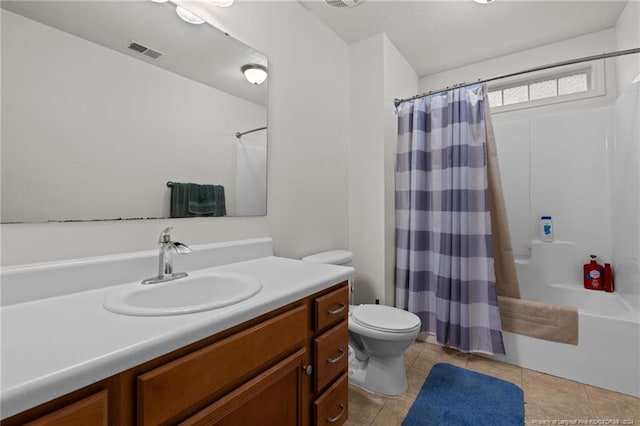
90,411
173,391
273,398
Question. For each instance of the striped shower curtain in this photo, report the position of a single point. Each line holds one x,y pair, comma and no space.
444,251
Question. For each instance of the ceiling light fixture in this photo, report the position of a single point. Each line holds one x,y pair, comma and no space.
484,1
254,73
221,3
187,16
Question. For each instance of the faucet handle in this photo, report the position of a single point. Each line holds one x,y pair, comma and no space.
165,235
181,248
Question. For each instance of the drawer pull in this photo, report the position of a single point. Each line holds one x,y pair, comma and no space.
337,310
336,359
336,418
308,369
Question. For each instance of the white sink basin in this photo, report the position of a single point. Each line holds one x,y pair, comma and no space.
183,296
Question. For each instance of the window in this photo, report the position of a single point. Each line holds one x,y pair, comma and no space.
514,95
559,85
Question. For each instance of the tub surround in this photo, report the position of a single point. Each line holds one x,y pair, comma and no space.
608,347
57,337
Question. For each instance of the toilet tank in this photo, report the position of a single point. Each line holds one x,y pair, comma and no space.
332,257
335,257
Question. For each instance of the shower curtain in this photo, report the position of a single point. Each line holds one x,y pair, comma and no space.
444,246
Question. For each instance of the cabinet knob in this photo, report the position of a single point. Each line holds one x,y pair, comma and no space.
308,369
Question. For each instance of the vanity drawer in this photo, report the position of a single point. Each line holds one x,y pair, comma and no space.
332,407
90,411
332,307
273,398
331,351
171,391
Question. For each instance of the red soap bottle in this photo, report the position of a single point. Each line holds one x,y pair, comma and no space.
608,278
593,275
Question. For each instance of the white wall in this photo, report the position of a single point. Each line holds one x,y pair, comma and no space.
628,37
378,74
400,81
553,158
366,168
626,160
308,134
626,191
586,45
83,153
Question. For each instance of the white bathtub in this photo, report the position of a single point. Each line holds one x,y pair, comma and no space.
608,350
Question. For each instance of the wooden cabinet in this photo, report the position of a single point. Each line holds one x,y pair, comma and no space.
287,367
331,308
332,406
270,399
172,389
91,410
330,392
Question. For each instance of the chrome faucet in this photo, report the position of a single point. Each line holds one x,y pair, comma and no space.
165,258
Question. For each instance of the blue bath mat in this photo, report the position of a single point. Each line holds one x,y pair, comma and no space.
453,396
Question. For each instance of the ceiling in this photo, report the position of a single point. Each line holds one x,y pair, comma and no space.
212,58
435,36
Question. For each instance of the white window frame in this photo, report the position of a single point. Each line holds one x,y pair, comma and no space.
595,82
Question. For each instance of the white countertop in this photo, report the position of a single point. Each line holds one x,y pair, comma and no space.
53,346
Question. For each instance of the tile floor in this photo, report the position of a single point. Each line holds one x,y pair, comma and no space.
547,398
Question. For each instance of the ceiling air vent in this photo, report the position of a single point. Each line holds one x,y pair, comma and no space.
140,48
343,3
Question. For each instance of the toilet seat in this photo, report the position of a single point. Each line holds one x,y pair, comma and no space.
385,318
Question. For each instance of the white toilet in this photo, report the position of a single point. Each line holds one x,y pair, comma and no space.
378,336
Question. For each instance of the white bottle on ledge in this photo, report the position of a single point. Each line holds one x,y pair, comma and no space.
546,228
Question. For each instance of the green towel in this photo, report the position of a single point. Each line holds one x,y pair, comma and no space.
191,200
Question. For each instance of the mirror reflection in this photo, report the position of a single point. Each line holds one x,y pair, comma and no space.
121,110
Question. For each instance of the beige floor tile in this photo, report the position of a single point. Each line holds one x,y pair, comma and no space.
351,421
546,397
614,405
415,380
552,398
552,382
363,406
393,412
412,353
433,354
501,370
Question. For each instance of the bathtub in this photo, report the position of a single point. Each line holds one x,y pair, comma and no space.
608,350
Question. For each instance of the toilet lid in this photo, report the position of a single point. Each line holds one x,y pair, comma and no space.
385,318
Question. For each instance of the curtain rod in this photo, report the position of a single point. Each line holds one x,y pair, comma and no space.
239,135
540,68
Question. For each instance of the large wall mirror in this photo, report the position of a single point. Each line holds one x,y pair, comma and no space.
110,107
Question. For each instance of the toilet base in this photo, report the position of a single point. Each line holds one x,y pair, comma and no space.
385,376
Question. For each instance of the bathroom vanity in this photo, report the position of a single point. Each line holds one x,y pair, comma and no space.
279,357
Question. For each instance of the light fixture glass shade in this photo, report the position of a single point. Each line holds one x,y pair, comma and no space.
159,1
221,3
484,1
187,16
254,73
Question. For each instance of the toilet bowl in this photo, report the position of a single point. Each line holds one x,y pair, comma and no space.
378,336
